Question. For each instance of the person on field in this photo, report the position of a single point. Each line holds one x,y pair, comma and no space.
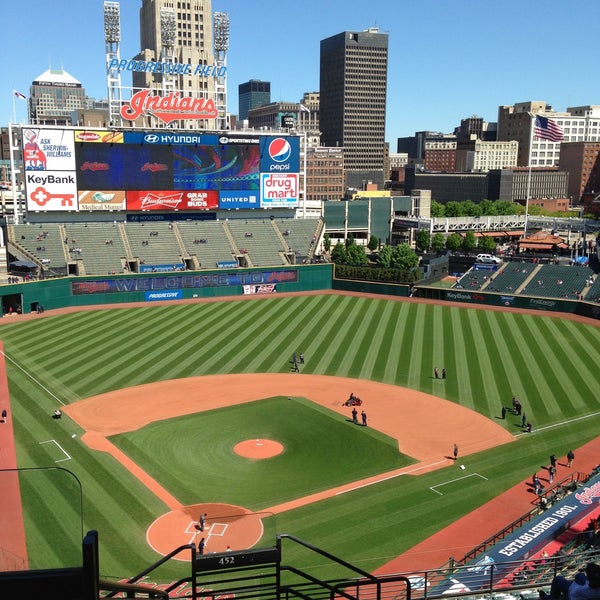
570,458
455,451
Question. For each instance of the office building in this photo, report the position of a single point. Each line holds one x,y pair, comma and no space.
353,83
252,94
515,122
183,36
53,98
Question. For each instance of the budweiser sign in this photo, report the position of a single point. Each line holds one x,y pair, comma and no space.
168,108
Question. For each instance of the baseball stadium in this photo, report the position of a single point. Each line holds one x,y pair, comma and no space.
198,407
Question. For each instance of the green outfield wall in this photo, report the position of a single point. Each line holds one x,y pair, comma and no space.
152,287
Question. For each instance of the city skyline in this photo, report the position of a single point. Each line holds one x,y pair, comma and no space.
448,59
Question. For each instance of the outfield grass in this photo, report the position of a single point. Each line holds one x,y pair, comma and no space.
550,363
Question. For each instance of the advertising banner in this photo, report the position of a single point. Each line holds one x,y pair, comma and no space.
182,281
49,161
280,154
526,540
99,136
172,200
279,190
239,199
50,190
102,201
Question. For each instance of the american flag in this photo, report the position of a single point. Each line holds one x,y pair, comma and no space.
19,95
547,129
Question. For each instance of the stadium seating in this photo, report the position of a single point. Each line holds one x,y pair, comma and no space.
558,281
42,244
207,241
260,241
511,278
101,248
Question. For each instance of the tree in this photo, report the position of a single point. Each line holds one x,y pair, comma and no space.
404,258
454,209
486,244
506,207
423,240
469,242
350,241
384,256
453,242
338,254
437,209
327,242
438,241
470,209
373,243
356,256
488,207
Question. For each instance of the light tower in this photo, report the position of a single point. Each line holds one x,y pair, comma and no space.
221,43
167,36
112,39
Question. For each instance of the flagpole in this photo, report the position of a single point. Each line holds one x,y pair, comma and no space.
528,190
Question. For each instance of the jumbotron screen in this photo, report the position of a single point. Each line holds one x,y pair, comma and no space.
99,170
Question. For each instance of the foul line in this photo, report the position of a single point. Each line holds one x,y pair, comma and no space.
28,374
560,424
432,488
392,476
61,448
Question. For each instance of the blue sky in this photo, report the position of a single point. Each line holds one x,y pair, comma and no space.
448,59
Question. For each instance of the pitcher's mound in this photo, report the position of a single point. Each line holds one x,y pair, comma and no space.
257,449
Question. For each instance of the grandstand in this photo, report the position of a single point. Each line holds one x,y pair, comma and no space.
511,278
109,248
558,281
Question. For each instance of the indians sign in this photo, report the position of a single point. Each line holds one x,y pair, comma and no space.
172,107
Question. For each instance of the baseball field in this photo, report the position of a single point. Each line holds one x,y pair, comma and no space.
171,410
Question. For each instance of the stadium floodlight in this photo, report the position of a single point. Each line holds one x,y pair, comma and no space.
112,22
167,26
221,31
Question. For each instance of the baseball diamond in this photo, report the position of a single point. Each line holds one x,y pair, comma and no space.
185,408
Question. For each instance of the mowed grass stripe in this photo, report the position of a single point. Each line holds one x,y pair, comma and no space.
525,385
394,364
318,333
419,371
548,387
461,358
506,372
491,400
379,345
367,343
322,351
569,372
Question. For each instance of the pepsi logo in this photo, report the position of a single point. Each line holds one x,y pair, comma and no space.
280,150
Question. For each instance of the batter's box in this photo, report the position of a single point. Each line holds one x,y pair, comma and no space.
218,529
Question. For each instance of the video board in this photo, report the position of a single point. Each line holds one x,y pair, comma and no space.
99,170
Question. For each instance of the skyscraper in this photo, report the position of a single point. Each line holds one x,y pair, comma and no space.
182,35
353,85
252,94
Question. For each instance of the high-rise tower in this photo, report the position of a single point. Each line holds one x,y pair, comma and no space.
353,85
252,94
182,36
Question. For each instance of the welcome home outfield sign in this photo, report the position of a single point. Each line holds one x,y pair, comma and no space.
525,541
